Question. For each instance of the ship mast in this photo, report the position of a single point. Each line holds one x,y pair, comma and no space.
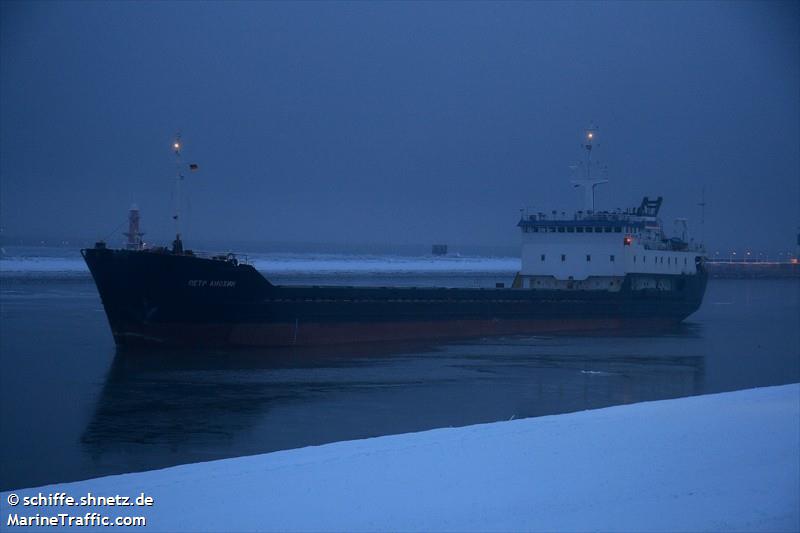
588,182
177,244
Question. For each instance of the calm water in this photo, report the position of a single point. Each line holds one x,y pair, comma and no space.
72,407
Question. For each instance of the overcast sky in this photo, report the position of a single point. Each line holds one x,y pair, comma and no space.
396,123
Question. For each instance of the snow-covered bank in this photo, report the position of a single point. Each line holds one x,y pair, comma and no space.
308,263
719,462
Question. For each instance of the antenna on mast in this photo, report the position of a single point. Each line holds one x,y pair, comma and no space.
177,146
588,143
589,183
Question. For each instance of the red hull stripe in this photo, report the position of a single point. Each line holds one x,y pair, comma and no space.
305,334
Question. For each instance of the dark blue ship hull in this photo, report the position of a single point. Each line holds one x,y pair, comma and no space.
157,297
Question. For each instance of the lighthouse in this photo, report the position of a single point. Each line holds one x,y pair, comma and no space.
133,233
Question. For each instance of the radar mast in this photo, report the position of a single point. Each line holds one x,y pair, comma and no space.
177,244
588,142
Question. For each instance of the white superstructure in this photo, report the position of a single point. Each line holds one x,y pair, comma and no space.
596,250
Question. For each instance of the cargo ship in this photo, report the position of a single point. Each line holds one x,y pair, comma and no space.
592,270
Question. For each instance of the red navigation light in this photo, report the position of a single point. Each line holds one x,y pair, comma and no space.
627,240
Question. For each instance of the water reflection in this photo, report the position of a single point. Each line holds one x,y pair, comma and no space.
173,396
168,407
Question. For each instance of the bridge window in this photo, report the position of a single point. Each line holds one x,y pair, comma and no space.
634,258
588,257
611,258
684,260
598,229
542,257
644,259
563,257
607,229
618,229
669,260
570,230
561,229
579,229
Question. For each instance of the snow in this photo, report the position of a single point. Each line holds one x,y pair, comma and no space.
42,264
302,263
719,462
382,264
